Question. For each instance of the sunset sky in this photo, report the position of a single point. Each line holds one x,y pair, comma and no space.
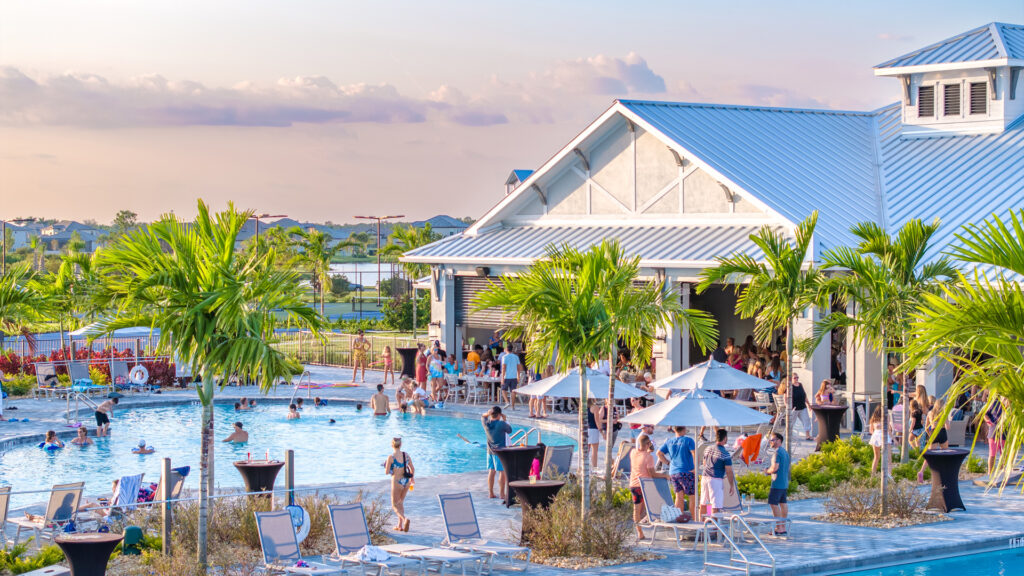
324,109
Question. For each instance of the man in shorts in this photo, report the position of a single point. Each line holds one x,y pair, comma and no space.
510,369
779,471
679,453
103,412
497,430
717,473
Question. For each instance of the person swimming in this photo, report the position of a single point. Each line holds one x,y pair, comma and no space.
83,437
51,442
319,402
238,436
142,448
293,412
467,440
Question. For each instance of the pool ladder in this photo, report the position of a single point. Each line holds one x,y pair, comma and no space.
79,397
309,387
738,561
522,437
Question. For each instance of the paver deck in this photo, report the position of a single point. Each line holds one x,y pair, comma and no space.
990,520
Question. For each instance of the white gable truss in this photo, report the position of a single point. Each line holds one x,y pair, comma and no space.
621,170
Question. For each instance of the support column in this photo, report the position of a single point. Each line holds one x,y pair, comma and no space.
816,366
673,354
442,311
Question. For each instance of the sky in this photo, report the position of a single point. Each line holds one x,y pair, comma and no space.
327,109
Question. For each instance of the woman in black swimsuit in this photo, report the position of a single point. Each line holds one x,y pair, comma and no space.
941,439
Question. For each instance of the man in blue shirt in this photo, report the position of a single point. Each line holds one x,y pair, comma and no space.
679,453
497,429
779,471
717,473
510,369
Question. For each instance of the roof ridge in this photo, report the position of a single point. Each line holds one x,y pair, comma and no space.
960,36
996,31
823,111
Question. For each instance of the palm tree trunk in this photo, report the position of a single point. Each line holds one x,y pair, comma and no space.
789,385
884,468
205,475
905,403
609,427
584,456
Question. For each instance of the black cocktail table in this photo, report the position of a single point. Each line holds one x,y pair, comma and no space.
88,552
945,467
829,418
516,461
259,475
533,495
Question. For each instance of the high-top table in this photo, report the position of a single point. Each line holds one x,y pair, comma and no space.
516,461
532,495
259,475
829,418
88,552
945,467
408,356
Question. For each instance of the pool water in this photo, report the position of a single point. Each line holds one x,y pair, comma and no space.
998,563
351,450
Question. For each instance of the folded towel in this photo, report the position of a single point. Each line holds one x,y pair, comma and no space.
373,554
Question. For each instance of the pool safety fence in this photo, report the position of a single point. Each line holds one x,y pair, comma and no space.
338,349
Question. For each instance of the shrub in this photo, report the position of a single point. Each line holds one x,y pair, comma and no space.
559,531
20,385
15,561
976,465
860,502
754,485
908,471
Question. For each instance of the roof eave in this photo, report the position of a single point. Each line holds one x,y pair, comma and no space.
925,68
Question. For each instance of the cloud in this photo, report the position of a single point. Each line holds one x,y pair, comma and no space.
606,75
765,95
82,99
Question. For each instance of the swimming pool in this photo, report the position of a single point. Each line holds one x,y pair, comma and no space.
351,450
997,563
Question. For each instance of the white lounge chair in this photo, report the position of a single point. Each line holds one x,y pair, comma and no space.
5,505
439,559
61,509
348,522
657,494
281,548
47,383
462,532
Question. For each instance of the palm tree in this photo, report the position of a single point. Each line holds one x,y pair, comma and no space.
216,310
776,291
977,324
910,278
405,238
69,291
20,300
314,249
569,308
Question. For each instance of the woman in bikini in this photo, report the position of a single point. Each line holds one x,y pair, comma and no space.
399,467
360,346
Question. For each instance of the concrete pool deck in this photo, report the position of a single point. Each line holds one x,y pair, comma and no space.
991,520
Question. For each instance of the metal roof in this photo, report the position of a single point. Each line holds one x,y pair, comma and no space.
989,42
442,221
960,179
794,161
654,243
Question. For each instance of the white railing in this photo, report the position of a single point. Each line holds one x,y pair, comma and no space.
309,387
79,397
523,437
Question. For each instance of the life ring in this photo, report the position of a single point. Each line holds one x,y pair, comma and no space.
300,521
50,447
139,374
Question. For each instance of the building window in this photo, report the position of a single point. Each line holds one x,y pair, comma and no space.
926,101
979,97
951,100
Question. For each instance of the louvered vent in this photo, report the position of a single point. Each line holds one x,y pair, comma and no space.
951,100
979,97
926,101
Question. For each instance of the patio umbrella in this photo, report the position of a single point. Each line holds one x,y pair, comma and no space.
710,375
567,385
132,332
697,408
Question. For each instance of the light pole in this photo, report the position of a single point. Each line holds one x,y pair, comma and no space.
257,219
3,239
379,219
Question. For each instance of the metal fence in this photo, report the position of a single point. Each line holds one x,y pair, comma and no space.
336,348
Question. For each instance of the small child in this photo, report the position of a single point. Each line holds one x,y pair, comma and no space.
389,365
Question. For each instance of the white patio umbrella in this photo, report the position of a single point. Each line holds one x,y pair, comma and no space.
567,385
710,375
697,408
131,332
